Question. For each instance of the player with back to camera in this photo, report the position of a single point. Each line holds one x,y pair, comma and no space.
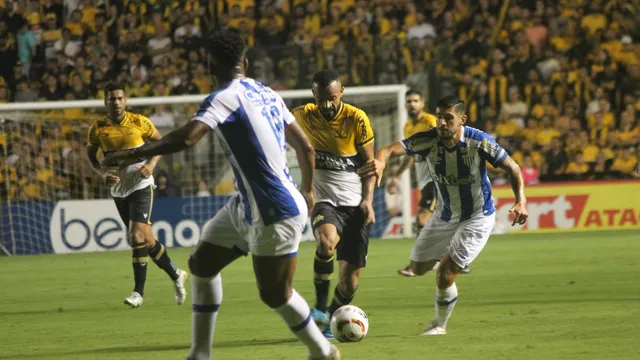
132,186
343,139
268,215
464,218
419,121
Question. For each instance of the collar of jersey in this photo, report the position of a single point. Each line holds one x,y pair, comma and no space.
126,114
335,117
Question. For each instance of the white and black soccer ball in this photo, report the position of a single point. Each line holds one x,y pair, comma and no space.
349,324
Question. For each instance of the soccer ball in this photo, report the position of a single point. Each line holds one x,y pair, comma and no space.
349,324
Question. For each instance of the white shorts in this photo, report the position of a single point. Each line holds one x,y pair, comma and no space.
229,229
463,241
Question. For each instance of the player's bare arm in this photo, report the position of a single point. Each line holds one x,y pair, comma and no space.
109,178
517,185
146,170
368,184
407,163
175,141
306,159
375,167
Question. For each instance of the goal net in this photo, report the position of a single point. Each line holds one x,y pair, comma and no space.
52,202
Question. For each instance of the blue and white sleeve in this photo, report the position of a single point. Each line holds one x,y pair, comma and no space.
211,111
287,115
491,151
419,143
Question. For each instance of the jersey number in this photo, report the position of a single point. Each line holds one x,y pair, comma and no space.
273,116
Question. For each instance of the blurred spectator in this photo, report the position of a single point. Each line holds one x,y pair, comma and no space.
625,162
556,161
164,188
530,173
162,119
515,108
25,92
27,43
203,189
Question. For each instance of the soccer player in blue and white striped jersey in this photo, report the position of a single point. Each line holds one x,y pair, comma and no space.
268,216
464,217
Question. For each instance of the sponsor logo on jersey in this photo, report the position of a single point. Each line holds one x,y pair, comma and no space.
329,161
451,180
317,219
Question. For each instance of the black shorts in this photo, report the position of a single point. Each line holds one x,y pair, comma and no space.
137,206
428,197
354,235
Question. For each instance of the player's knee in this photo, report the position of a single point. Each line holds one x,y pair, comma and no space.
275,298
421,268
326,244
136,236
446,274
200,268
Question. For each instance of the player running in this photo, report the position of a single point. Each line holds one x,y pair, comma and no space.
342,137
268,216
419,121
463,219
132,187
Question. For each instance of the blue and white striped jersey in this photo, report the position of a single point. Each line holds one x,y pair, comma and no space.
250,120
460,172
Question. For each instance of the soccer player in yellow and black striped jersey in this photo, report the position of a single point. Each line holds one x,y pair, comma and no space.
132,187
343,139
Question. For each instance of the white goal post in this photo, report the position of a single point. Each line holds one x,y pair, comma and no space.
384,105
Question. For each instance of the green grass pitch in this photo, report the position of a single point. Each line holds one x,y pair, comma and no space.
546,296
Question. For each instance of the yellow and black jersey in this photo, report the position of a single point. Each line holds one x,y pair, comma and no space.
424,123
336,143
131,133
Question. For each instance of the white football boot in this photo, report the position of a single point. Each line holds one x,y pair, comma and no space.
435,329
134,300
178,285
334,355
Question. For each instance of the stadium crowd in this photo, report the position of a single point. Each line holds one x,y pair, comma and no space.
556,81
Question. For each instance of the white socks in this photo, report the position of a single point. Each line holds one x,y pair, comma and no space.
445,302
297,315
206,299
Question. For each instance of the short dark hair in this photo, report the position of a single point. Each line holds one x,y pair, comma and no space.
325,77
413,92
226,47
112,86
452,101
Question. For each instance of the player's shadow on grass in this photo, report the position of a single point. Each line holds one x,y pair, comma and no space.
152,348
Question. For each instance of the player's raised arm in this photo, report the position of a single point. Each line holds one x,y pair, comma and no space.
177,140
374,168
306,159
418,143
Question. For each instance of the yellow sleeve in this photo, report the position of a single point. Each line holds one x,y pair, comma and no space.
148,129
299,114
364,133
92,139
432,121
407,130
